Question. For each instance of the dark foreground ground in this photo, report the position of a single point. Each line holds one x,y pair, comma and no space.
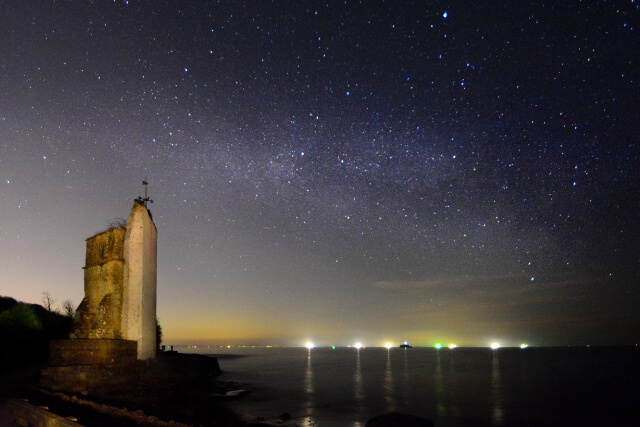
175,389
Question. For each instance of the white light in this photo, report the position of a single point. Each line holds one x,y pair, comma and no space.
452,346
358,345
438,346
388,345
495,346
310,345
524,345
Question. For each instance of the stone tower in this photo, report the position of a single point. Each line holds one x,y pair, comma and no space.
139,281
120,286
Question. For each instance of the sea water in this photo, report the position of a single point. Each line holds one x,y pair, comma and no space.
452,387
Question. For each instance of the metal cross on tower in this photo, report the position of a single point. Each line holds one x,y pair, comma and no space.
146,198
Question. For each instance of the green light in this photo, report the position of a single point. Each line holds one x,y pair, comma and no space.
333,347
438,346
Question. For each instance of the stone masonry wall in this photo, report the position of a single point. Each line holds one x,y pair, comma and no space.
92,352
100,313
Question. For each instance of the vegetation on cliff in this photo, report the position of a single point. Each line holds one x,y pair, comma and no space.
25,331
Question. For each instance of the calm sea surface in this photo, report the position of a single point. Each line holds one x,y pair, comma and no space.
509,386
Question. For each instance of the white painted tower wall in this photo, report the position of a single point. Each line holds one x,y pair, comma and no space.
140,281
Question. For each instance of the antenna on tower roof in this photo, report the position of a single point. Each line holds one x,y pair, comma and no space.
146,198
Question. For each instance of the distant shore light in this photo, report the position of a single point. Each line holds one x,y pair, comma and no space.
495,346
438,346
310,345
452,346
358,345
388,345
524,345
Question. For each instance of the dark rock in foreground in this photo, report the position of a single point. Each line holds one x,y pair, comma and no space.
396,419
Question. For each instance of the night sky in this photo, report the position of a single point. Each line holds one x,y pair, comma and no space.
455,172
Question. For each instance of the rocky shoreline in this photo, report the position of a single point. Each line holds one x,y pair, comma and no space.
172,389
88,411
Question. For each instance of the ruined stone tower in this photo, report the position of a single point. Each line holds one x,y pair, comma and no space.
120,285
99,314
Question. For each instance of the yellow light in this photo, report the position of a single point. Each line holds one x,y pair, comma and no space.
495,346
388,345
452,346
310,345
358,345
524,345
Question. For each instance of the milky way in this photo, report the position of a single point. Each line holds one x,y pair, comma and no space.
346,171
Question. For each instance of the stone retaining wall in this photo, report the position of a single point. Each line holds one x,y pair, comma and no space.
92,352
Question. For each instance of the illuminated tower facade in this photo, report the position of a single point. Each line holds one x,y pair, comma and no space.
140,281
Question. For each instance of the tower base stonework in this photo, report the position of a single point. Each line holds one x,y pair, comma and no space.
92,352
78,365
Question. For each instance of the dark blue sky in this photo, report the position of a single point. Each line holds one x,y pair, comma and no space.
370,171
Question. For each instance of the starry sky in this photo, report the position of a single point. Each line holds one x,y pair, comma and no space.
430,171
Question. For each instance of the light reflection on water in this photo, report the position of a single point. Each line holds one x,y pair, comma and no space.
496,391
439,387
406,376
390,403
358,391
346,387
309,416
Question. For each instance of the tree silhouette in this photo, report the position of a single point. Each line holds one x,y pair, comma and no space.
158,334
47,301
69,309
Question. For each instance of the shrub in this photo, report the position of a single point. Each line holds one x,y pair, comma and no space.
20,317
